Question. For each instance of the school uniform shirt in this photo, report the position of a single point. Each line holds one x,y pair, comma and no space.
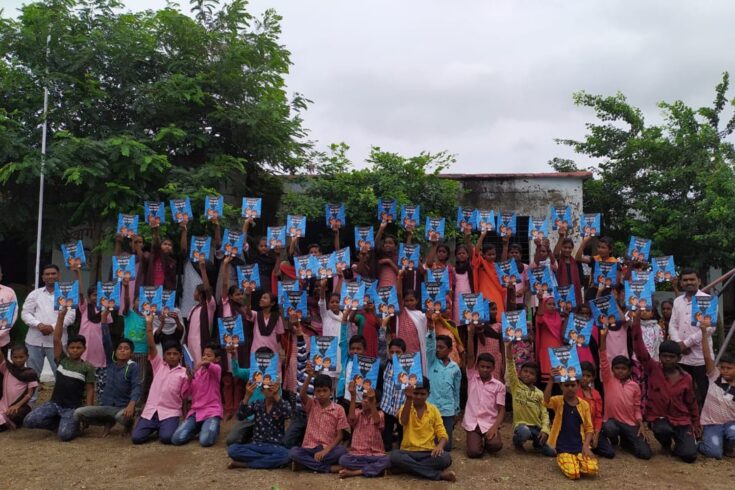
71,380
270,341
444,380
170,386
570,422
323,423
420,433
13,390
719,406
393,396
367,435
595,403
528,401
206,401
622,398
331,327
39,308
7,295
269,427
483,398
122,385
94,353
682,330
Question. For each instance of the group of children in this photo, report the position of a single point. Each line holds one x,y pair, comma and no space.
633,381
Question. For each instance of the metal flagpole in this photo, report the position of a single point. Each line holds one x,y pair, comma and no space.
41,179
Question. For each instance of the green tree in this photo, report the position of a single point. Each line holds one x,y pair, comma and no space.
673,182
409,180
143,105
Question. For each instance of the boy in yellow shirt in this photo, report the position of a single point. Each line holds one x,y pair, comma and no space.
422,425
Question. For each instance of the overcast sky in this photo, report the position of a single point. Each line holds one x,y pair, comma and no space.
490,81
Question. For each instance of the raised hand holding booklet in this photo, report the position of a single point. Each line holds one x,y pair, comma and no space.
438,274
506,225
567,360
410,216
168,301
73,253
335,215
435,229
155,213
539,279
507,271
296,226
605,274
561,216
485,220
326,265
181,210
252,207
150,300
407,370
363,371
473,308
664,268
565,297
342,259
638,295
639,249
704,310
514,326
305,266
7,313
408,256
364,238
294,303
123,266
590,224
579,330
434,297
538,228
263,368
214,207
248,277
108,295
466,219
352,296
605,311
199,248
386,301
127,224
232,242
386,210
323,353
276,237
66,295
231,332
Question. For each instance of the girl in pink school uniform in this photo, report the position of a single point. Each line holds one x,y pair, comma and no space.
462,278
205,414
201,317
168,390
19,384
487,339
233,303
549,333
410,325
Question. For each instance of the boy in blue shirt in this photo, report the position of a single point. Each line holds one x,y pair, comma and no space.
445,377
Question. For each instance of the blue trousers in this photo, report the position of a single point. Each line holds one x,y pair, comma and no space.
51,416
449,427
305,457
259,455
421,463
208,430
715,437
523,433
165,428
370,465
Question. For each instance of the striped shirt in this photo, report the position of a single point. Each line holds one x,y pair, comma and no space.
323,424
392,398
367,437
302,355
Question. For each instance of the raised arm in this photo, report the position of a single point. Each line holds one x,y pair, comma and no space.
468,241
480,241
471,358
709,364
58,333
335,229
226,274
217,242
152,351
183,239
505,239
379,235
580,256
78,274
126,295
405,414
399,288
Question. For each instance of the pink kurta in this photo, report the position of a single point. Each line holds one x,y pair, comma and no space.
386,276
270,341
205,393
408,331
492,346
13,389
461,286
92,333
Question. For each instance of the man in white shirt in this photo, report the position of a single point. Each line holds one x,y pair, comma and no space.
39,315
7,295
688,336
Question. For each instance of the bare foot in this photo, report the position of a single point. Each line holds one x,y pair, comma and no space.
335,468
234,465
448,476
345,473
108,429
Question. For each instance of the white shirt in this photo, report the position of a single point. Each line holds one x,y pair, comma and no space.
331,327
681,330
39,308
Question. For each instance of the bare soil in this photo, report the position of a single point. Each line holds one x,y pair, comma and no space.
37,459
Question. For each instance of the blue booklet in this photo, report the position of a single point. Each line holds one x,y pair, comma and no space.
514,326
352,296
386,301
435,229
232,242
66,295
306,266
704,310
647,276
323,353
408,256
181,210
276,237
342,258
294,302
473,308
123,266
506,224
434,297
485,220
7,311
604,311
335,215
295,226
363,371
264,368
639,249
168,301
200,246
231,332
565,297
466,219
561,215
371,286
387,210
605,274
252,207
284,286
73,253
579,330
664,268
538,228
567,360
248,277
150,300
127,224
438,274
326,265
407,370
508,274
214,207
154,213
364,237
410,216
539,279
108,295
590,224
638,295
188,358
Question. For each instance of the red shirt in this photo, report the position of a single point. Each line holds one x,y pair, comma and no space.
677,401
370,332
595,403
323,424
367,436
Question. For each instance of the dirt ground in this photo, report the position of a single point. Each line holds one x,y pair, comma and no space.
37,459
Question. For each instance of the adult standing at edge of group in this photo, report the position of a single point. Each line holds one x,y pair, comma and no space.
39,315
7,295
688,336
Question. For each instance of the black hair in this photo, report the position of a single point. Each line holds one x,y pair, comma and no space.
667,301
217,349
727,357
410,292
488,246
446,339
126,341
264,350
444,246
313,245
588,367
73,339
515,246
425,385
621,360
531,365
669,347
689,270
486,357
232,289
567,240
607,241
50,266
172,344
358,339
17,347
322,381
400,343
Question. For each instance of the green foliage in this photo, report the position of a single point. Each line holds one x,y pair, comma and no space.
145,105
673,183
409,180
